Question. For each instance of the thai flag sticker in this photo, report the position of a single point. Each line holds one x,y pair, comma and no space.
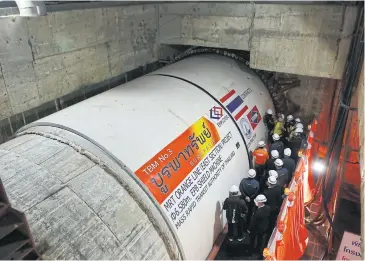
234,104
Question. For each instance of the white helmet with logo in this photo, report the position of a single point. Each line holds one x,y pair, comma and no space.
273,173
234,189
290,118
272,180
251,173
274,154
287,152
269,111
278,163
261,144
276,136
260,198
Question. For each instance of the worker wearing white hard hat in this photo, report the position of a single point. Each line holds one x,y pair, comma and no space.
236,211
234,190
298,130
274,194
259,223
277,145
273,173
289,118
299,125
270,162
269,121
249,187
260,156
283,175
261,144
297,142
297,120
271,181
288,127
289,163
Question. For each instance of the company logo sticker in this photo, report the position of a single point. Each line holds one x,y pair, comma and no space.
246,128
254,117
216,113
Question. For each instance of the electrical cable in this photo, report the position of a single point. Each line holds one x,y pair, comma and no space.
355,56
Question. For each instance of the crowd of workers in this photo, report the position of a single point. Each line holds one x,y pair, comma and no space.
253,206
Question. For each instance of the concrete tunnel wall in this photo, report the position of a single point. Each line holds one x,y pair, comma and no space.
81,204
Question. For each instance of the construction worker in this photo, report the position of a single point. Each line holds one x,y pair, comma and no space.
289,163
288,127
297,126
271,173
274,196
259,224
260,156
283,176
270,162
236,212
269,122
279,126
277,145
249,188
296,143
297,120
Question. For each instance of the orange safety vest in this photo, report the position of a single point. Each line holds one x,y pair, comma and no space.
261,156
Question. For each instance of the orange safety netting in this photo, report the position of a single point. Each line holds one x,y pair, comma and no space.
289,239
293,242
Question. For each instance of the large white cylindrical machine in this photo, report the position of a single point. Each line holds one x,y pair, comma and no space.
140,171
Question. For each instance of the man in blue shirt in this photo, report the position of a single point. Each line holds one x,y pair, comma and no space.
249,188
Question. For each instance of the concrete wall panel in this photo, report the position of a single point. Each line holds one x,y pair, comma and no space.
44,58
5,107
309,40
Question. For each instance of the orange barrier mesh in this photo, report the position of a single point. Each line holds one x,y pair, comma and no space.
289,239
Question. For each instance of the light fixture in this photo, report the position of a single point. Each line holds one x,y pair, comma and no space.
318,166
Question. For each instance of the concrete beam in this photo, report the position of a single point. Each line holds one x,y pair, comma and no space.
310,40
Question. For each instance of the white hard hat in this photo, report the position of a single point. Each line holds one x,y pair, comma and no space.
278,162
299,125
297,120
273,173
298,130
261,143
274,154
251,173
269,111
290,117
272,180
234,189
287,152
276,136
260,198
